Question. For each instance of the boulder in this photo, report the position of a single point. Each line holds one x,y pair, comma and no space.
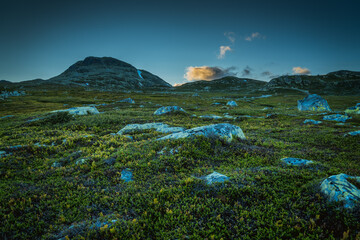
313,102
215,177
354,133
224,131
2,154
159,127
353,110
80,110
169,110
231,103
338,188
127,100
310,121
126,175
211,116
296,161
216,103
336,117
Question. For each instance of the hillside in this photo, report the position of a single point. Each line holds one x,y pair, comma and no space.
223,84
339,83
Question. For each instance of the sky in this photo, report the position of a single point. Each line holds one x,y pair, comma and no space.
181,41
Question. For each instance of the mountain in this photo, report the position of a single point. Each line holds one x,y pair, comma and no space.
340,82
223,84
108,73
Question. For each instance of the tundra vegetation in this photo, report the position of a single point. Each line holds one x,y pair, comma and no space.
65,176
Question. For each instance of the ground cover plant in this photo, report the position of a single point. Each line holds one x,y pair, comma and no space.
62,176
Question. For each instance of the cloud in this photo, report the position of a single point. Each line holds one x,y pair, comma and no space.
247,71
254,35
177,84
207,73
266,74
223,50
230,36
300,70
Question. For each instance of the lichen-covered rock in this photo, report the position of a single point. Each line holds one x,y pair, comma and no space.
354,110
224,131
311,121
354,133
126,175
2,154
159,127
215,177
313,102
211,116
296,161
127,100
80,110
336,117
338,188
231,103
169,110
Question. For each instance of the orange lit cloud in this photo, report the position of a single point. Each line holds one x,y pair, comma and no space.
300,70
207,73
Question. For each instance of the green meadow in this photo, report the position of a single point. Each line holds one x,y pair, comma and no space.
45,193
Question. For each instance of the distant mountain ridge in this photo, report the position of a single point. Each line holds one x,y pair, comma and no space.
339,82
229,83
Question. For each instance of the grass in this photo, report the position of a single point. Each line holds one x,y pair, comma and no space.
167,199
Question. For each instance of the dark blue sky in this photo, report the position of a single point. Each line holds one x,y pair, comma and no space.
40,39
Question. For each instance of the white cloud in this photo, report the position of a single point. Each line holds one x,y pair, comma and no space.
178,84
207,73
300,70
223,50
255,35
230,36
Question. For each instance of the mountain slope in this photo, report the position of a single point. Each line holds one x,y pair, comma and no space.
223,84
108,73
339,82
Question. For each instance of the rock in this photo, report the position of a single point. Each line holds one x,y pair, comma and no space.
336,117
338,188
210,117
224,131
296,161
7,116
81,161
169,110
2,154
56,164
80,110
6,94
242,117
110,161
271,115
354,133
127,100
313,103
231,104
172,151
215,177
310,121
142,106
159,127
126,175
217,103
195,95
354,110
267,108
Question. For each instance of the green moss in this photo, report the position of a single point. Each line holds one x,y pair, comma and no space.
167,199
